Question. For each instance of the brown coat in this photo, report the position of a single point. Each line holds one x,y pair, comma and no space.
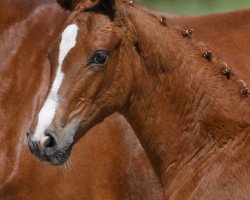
186,97
108,164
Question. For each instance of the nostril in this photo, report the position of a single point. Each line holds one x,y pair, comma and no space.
50,142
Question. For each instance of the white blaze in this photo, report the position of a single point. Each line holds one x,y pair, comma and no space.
49,108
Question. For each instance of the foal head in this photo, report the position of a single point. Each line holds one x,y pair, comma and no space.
91,75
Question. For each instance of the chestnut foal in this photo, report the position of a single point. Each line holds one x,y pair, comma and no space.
109,163
188,107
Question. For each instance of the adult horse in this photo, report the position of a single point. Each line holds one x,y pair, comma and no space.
109,163
188,105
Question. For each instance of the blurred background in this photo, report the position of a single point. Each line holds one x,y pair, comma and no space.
196,6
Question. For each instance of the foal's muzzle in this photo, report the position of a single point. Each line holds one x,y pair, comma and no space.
47,150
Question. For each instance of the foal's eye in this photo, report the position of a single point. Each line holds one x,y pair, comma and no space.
100,58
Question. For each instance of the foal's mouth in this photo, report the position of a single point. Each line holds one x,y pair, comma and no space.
60,157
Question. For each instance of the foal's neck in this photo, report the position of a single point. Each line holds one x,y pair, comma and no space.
182,106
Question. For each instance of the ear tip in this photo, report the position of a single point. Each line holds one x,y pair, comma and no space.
71,4
67,4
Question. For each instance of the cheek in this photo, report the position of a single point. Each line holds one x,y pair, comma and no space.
84,85
93,84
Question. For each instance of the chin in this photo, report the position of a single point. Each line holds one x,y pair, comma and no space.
60,157
58,162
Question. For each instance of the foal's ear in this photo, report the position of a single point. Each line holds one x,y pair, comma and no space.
68,4
86,4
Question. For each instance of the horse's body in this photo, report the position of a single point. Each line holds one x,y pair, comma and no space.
109,164
188,107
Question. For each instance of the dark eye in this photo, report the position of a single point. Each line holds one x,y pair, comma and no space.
100,58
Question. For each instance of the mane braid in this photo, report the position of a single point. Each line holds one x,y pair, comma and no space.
223,66
192,62
224,69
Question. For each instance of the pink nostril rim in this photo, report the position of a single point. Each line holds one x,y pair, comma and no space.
43,142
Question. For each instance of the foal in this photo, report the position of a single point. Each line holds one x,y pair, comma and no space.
109,163
188,109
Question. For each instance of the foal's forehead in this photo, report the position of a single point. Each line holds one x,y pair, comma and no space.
91,22
85,30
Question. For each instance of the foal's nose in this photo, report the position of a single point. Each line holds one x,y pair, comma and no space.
47,144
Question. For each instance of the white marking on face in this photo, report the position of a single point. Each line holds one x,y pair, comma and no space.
49,108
